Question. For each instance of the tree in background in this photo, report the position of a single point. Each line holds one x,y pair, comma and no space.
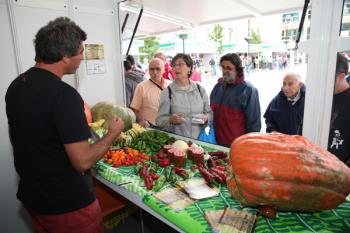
217,36
150,47
255,37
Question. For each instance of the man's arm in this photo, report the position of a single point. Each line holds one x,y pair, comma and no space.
252,113
83,156
270,124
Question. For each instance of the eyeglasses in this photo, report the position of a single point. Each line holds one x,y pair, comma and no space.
178,64
155,69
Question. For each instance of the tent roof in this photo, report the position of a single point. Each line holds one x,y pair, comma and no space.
168,15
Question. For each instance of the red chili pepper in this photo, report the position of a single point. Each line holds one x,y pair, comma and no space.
161,155
148,181
154,175
219,172
164,162
218,162
219,154
181,172
206,174
218,179
221,168
143,171
211,162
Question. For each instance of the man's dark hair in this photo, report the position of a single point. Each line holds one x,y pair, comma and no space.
342,64
235,60
60,37
187,59
130,59
127,65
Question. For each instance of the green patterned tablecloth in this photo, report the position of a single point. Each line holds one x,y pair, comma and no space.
122,176
191,219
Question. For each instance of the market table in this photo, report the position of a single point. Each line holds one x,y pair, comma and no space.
191,219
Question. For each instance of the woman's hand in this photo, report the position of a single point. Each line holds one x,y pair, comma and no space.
176,119
205,118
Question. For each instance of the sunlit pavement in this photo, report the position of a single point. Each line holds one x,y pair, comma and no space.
268,83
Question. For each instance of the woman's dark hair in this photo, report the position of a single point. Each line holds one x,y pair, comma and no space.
60,37
235,60
187,59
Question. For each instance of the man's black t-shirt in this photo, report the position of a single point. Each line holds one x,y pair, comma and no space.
44,113
339,133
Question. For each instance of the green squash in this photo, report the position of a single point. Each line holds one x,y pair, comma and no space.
105,110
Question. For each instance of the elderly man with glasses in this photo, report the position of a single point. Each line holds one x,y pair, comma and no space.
146,98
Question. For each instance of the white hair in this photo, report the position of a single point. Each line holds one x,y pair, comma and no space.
297,76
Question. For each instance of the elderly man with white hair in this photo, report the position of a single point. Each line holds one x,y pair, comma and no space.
285,112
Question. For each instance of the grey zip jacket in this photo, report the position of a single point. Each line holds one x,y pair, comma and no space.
187,102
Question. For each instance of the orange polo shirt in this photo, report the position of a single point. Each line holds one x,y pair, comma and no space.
146,99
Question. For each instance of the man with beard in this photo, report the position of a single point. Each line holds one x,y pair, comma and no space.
235,102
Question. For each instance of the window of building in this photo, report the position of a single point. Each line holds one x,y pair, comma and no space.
345,26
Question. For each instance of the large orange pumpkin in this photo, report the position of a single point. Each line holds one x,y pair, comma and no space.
87,112
286,172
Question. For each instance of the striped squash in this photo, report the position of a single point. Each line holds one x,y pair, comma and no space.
286,172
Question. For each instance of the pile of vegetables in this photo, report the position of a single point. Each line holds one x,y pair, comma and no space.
126,156
151,141
148,154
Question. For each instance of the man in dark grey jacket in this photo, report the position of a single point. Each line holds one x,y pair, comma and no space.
132,78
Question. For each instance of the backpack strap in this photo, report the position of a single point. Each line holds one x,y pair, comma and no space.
169,90
199,89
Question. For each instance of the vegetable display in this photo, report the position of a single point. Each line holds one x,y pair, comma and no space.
286,172
151,141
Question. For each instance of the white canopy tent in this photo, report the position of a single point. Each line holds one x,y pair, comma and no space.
166,16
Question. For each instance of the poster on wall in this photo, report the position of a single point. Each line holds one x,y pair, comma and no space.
95,59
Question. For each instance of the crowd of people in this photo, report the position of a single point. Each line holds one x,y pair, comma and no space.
53,157
233,109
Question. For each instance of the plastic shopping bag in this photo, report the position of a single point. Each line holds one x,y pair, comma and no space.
207,135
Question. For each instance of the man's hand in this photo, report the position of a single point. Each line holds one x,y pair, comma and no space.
83,155
116,126
144,123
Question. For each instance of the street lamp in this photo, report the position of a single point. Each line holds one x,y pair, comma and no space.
183,37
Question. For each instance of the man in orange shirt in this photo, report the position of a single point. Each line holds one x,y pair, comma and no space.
146,98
